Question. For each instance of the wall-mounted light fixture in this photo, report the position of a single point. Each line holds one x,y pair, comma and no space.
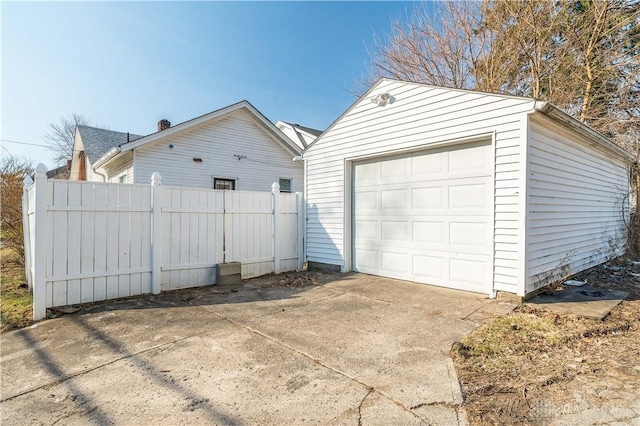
382,99
197,160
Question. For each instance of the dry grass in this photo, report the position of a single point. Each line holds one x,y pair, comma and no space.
15,298
512,363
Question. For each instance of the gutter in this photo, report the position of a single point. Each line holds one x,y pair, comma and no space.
551,111
107,157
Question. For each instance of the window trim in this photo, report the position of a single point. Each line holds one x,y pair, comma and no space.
290,179
234,182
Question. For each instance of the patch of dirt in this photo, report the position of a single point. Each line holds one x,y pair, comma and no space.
534,366
290,279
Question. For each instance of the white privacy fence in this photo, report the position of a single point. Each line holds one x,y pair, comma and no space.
88,241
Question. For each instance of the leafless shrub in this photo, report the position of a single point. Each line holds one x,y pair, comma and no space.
12,173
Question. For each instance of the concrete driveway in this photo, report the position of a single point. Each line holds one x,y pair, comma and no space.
354,349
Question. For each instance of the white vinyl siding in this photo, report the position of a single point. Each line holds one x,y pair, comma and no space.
419,116
577,202
90,175
121,165
233,147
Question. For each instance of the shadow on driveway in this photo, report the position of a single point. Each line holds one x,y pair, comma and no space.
350,349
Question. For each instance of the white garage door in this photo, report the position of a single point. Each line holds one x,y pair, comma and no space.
426,216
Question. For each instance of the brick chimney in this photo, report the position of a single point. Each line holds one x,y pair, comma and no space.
163,124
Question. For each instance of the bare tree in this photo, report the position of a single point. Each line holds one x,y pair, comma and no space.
523,42
12,172
437,44
581,55
603,42
60,136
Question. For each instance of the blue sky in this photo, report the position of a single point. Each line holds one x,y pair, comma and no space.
126,65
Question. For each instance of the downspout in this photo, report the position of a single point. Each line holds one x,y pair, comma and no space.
108,156
104,176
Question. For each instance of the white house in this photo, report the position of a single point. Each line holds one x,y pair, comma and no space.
300,135
462,189
235,147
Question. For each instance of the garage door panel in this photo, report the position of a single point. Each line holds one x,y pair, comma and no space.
429,267
470,159
466,234
428,198
393,230
394,262
367,229
368,174
429,232
430,166
368,200
468,271
426,217
367,260
394,199
396,168
470,195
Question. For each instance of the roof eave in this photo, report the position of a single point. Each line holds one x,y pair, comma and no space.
279,134
554,112
285,142
106,157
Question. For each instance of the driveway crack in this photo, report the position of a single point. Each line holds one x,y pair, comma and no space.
371,390
321,363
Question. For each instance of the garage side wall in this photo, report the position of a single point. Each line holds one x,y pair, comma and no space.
577,200
417,117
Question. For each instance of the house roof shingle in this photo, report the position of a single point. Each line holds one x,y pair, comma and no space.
98,142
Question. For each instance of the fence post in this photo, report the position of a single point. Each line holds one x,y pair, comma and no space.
275,190
26,230
40,255
156,232
301,236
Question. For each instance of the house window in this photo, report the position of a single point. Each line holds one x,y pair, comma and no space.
122,178
228,184
285,184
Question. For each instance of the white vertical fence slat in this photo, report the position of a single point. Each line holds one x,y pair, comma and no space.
99,241
40,236
88,236
28,273
90,241
156,235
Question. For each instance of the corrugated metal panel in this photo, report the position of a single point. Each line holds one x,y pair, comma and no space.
418,117
232,148
577,198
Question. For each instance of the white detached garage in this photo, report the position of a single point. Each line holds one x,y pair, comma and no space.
461,189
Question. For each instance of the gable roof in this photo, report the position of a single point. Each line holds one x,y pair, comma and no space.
98,142
303,135
261,120
543,107
314,132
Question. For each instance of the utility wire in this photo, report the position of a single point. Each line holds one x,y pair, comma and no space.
24,143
